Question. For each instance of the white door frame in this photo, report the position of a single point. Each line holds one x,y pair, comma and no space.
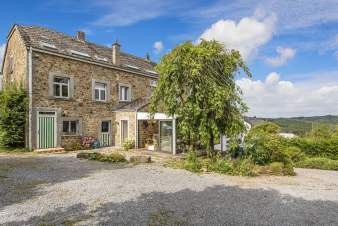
38,127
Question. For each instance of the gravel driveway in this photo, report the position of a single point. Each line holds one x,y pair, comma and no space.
62,190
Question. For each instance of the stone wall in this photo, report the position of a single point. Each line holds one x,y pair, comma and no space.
131,117
18,52
81,104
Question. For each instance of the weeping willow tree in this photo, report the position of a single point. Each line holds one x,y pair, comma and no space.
197,84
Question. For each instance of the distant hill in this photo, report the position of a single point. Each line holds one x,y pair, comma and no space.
297,125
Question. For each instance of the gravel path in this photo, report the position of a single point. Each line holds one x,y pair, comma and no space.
62,190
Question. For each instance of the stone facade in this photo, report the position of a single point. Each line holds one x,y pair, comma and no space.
81,104
15,60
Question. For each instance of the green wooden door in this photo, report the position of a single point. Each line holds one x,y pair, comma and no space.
46,130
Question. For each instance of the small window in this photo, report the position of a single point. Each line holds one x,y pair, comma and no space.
100,91
61,87
124,93
71,127
153,83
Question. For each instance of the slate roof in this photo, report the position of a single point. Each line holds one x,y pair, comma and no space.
134,105
36,36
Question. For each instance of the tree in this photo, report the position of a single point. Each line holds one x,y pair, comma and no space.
197,84
13,114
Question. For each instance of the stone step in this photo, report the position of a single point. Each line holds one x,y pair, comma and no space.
50,150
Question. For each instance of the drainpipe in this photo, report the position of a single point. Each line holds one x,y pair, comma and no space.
30,98
136,130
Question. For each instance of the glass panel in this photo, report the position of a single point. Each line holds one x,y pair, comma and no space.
105,127
103,95
97,94
56,90
73,127
124,128
65,126
166,136
61,80
65,91
100,85
126,93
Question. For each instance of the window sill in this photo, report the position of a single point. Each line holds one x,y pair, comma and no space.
101,101
124,101
71,135
61,98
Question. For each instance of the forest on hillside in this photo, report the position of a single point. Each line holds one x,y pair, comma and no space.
298,125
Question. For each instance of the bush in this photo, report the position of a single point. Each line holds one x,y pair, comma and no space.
219,165
327,148
13,114
244,167
318,163
277,169
128,144
75,146
192,162
113,157
295,154
87,141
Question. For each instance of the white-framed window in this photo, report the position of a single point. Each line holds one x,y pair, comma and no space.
70,127
100,91
61,87
124,92
153,83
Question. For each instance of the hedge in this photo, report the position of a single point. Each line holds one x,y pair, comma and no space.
316,147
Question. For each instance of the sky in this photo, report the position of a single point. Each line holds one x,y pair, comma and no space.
291,46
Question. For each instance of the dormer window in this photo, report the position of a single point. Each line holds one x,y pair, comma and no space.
132,66
47,45
77,53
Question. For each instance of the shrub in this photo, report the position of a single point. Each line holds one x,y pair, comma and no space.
75,146
220,166
128,144
327,148
294,153
13,114
87,141
318,163
113,157
277,169
244,167
192,162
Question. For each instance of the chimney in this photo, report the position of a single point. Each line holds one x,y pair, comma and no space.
147,57
81,36
116,53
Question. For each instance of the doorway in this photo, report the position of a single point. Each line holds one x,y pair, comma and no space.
166,136
124,131
106,133
46,134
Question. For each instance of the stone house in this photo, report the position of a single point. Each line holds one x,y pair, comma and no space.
77,89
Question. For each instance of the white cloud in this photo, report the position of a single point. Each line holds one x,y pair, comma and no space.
277,98
283,55
2,52
292,14
158,46
246,36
